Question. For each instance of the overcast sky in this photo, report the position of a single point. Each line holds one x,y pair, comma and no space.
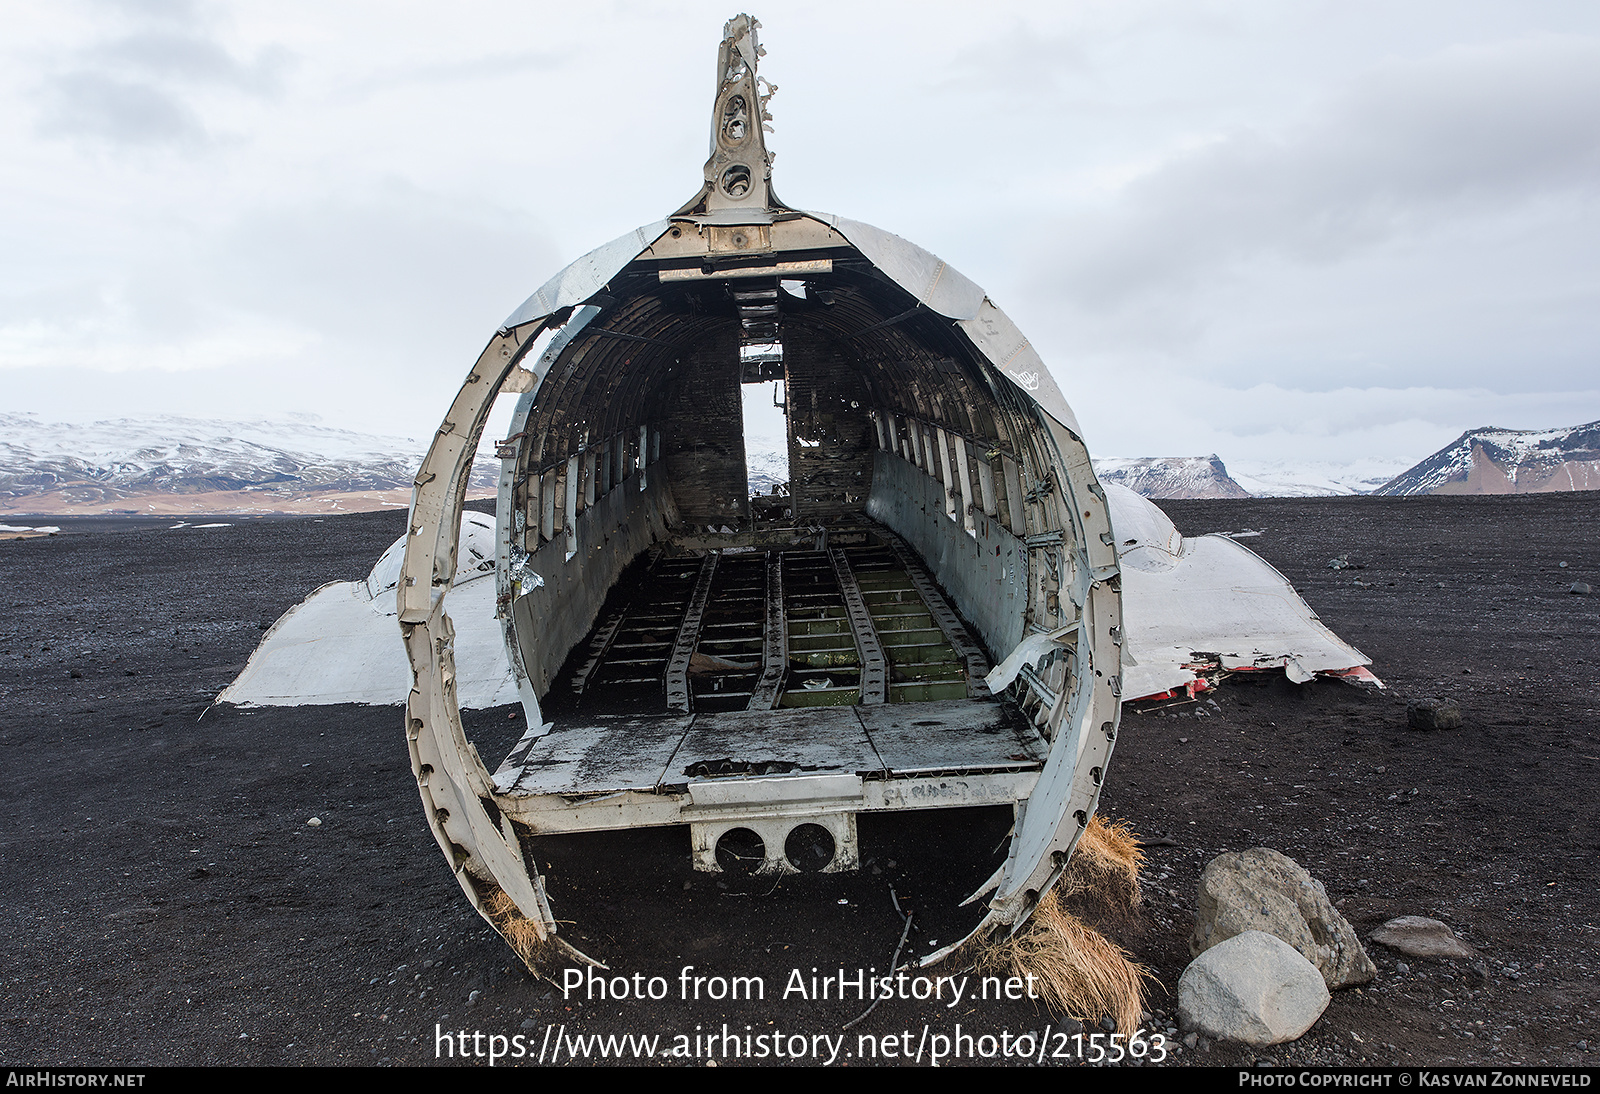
1333,231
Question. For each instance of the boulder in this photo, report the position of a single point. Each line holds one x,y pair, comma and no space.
1418,936
1254,988
1433,714
1262,890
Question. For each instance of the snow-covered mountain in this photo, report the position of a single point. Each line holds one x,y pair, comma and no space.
767,468
1507,461
188,465
1313,478
1171,477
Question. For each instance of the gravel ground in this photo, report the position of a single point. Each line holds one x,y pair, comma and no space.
169,903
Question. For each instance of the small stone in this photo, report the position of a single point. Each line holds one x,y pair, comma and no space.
315,822
1430,714
472,997
1418,936
1580,588
1402,968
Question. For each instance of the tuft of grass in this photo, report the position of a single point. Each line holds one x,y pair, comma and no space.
520,932
1105,866
1075,968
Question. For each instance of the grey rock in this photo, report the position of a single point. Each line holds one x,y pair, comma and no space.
1433,714
1418,936
1254,988
1262,890
1580,588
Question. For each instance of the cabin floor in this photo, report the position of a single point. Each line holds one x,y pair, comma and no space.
839,657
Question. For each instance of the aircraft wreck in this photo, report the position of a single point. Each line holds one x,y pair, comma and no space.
935,474
764,670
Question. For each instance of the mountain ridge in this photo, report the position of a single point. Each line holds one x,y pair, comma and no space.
1171,477
1493,460
177,465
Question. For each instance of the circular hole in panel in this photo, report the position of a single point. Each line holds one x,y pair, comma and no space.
809,848
740,851
734,120
736,181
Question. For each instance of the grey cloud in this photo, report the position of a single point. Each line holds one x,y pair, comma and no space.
1468,132
193,58
176,12
400,268
120,111
1021,60
141,88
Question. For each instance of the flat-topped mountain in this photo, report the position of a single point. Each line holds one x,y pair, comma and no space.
1172,477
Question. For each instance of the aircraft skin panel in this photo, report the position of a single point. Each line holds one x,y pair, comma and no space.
1211,599
338,646
586,276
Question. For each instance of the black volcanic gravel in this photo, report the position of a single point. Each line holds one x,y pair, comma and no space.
167,902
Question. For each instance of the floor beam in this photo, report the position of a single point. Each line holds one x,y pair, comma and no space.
967,651
689,637
775,640
874,665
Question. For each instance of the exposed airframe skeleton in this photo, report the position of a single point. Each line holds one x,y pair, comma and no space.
922,426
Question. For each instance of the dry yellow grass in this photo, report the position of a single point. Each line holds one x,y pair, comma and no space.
1077,969
518,930
1106,864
